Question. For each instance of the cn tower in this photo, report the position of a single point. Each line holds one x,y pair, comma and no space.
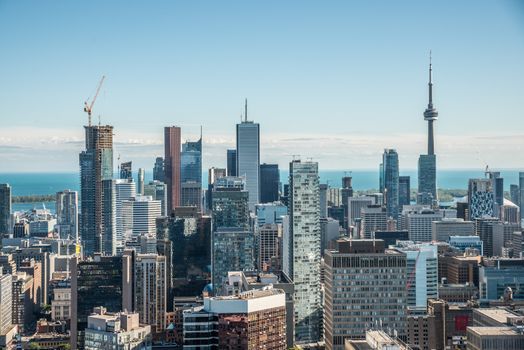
430,114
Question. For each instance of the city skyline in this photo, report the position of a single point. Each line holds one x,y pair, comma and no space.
316,86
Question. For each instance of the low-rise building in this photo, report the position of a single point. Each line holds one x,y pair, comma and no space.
116,331
250,320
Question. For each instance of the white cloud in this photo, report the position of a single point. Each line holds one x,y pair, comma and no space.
46,149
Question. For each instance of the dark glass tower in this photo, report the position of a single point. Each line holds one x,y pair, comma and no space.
404,189
96,166
269,183
158,169
391,182
126,170
191,173
427,163
5,208
232,162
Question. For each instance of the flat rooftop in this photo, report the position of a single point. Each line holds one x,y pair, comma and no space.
495,331
498,314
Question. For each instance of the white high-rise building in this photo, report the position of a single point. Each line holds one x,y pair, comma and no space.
67,214
125,190
304,249
145,211
248,158
422,273
419,224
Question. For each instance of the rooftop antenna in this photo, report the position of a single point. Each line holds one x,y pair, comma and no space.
245,111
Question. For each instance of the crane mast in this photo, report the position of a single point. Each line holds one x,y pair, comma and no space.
88,107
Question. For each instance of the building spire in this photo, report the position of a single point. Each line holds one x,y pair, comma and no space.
430,84
245,112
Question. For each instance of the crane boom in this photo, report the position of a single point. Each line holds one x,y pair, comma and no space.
88,107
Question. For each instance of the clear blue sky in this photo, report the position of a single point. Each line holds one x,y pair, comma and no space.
334,80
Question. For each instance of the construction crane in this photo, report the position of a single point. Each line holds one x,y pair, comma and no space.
88,107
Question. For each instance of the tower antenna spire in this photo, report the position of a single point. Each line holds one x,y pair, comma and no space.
245,110
430,104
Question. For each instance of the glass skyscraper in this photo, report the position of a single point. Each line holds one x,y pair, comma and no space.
232,162
191,173
302,249
269,183
391,182
96,165
248,158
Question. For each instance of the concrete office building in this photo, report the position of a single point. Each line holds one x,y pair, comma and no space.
303,249
374,218
365,284
419,224
502,234
96,166
172,159
6,303
355,205
248,157
268,247
484,229
239,281
141,181
67,214
441,230
329,231
24,307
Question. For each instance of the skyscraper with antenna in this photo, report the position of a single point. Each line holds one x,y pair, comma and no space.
427,163
248,157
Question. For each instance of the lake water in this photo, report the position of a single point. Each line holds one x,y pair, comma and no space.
50,183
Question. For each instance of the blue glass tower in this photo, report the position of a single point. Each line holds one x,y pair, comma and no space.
391,182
